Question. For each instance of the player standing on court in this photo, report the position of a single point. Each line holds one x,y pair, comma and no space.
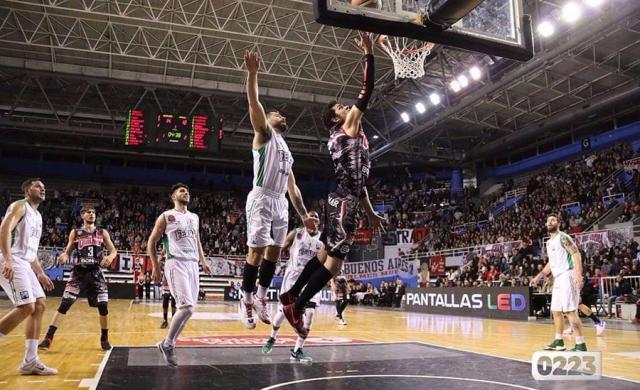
267,208
88,244
166,294
22,273
304,245
180,232
349,149
565,262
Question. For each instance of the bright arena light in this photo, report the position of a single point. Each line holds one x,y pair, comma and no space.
546,29
420,108
463,80
571,12
405,117
475,73
455,86
594,3
435,99
375,136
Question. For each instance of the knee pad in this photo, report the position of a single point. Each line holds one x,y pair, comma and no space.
65,305
102,308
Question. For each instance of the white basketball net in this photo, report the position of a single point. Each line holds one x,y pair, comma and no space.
408,56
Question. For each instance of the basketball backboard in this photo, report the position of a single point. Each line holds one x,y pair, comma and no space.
495,27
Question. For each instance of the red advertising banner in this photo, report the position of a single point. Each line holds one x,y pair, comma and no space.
362,236
436,265
419,234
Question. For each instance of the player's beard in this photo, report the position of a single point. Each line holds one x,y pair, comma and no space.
183,201
552,229
282,127
34,197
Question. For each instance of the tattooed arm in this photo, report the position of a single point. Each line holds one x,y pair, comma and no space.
572,248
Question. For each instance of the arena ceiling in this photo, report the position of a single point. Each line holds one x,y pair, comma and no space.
71,69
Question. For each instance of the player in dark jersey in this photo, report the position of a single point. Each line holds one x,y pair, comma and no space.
87,244
349,151
340,288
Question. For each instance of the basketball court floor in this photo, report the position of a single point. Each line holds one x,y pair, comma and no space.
378,349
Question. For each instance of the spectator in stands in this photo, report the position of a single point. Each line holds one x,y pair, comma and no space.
621,288
399,292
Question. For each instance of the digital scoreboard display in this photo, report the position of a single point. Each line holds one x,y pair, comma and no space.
169,131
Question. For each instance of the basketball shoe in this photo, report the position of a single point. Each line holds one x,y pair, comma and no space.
36,368
600,327
556,345
45,344
262,308
246,314
268,346
169,354
299,356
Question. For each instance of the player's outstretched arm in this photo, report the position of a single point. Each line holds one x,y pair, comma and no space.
256,111
158,231
352,123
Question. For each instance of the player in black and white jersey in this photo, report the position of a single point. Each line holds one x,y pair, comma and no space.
87,245
349,151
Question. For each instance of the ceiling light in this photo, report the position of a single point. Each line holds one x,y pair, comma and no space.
420,108
405,117
463,80
594,3
455,86
475,73
546,29
571,12
435,99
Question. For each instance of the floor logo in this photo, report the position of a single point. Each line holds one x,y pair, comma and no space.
256,341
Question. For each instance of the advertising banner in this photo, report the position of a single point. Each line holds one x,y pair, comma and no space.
437,265
487,302
375,271
362,236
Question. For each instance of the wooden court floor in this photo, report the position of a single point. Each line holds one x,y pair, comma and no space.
76,353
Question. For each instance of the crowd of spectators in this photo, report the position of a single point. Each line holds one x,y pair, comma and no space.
389,294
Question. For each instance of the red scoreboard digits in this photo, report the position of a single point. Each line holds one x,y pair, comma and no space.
168,130
135,133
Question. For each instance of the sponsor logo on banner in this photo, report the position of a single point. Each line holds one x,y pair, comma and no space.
494,302
437,265
455,261
632,164
381,268
235,294
362,236
258,340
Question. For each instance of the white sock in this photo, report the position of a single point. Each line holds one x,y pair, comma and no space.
274,332
579,339
178,323
262,292
278,319
31,350
248,298
558,336
308,317
299,344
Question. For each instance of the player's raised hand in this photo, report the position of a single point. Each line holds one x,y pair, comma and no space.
252,61
310,222
63,258
364,42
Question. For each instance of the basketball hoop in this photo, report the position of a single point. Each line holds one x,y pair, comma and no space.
408,56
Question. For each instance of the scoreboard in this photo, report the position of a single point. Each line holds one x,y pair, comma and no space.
169,131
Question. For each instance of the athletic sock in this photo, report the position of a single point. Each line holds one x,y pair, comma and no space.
104,334
51,332
595,319
558,336
308,317
177,324
265,276
274,332
579,340
31,350
307,272
249,276
299,344
278,319
318,280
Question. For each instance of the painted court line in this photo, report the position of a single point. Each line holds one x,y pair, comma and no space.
92,383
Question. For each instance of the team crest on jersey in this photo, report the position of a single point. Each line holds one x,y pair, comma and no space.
171,218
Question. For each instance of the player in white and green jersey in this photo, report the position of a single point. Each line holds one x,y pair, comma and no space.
565,263
267,208
180,232
22,273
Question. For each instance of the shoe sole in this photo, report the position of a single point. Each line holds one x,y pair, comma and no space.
555,349
295,360
38,373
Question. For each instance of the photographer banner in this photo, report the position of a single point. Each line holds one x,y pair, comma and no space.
510,303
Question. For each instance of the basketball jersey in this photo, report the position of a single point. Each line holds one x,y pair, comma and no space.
304,248
559,258
89,246
26,234
180,239
351,161
271,164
